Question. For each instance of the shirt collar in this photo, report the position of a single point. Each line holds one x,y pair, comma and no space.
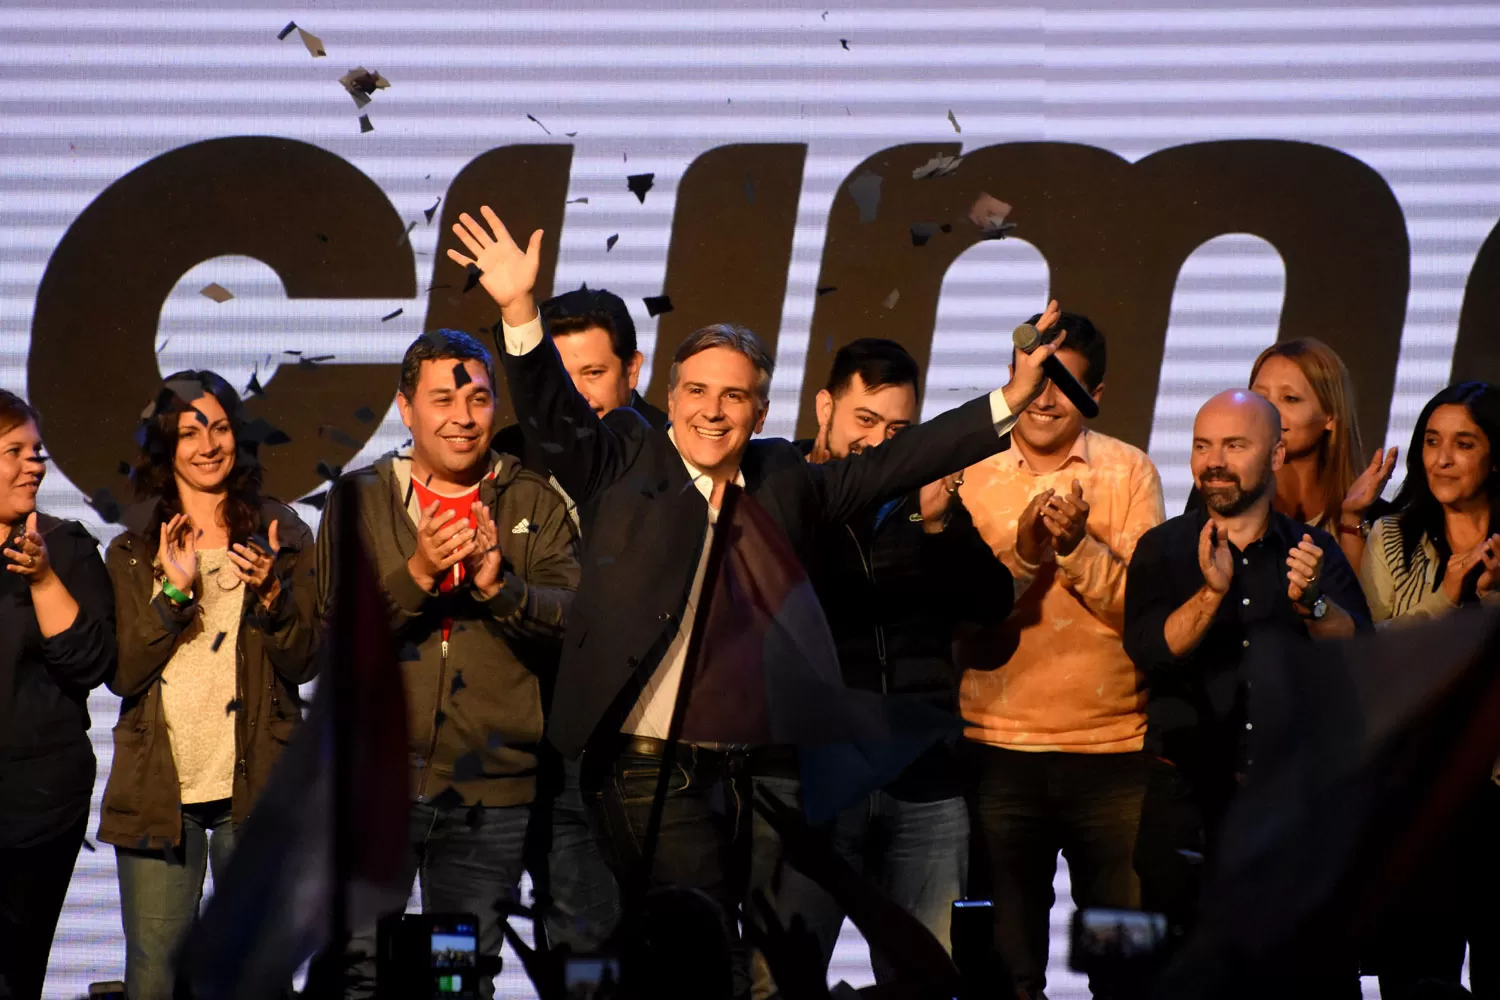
702,480
1079,451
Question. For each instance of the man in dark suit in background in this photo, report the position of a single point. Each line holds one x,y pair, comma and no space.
595,338
647,501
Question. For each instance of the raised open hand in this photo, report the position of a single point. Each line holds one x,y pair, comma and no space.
506,271
1214,559
177,553
256,567
1066,518
1365,490
1304,567
486,561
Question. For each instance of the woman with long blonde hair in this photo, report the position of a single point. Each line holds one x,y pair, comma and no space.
1322,481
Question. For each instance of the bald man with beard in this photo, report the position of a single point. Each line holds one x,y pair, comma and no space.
1201,589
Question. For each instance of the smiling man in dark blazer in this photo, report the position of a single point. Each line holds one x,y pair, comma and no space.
647,500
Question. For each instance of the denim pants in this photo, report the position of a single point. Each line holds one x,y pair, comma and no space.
160,892
1027,808
917,853
468,859
704,838
575,889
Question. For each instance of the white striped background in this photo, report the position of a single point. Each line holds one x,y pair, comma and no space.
88,92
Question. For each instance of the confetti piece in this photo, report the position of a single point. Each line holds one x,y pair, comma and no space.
460,376
658,304
824,290
105,505
337,436
539,123
474,274
570,135
406,235
579,201
364,124
956,126
328,472
989,214
254,388
939,166
291,26
865,190
430,212
845,43
219,641
216,291
236,704
921,232
609,244
457,684
362,83
890,300
639,184
317,501
364,415
390,316
313,42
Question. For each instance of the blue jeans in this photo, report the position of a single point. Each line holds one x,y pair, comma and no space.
465,867
917,853
574,887
160,892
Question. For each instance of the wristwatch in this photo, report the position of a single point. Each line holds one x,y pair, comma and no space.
1319,608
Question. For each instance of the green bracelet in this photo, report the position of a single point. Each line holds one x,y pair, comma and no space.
174,595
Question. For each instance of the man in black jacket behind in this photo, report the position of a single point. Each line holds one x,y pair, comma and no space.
896,581
595,338
647,501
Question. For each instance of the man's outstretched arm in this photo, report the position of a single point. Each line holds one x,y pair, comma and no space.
584,454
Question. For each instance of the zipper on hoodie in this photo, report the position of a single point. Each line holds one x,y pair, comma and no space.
436,708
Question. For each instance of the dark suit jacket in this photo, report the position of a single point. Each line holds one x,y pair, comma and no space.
644,522
510,441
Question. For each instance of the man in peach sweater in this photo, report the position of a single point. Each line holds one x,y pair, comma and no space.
1054,706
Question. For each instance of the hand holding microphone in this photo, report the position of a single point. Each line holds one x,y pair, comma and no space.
1036,356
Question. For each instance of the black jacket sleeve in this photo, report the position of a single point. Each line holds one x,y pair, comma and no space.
586,454
917,456
1148,604
82,656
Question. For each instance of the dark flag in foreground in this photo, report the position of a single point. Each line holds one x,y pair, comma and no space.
325,848
1365,753
763,670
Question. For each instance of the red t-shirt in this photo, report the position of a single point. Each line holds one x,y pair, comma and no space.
463,508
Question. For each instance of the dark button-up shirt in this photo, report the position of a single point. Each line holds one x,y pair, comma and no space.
1196,713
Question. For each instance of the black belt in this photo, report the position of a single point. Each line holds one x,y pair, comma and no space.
767,761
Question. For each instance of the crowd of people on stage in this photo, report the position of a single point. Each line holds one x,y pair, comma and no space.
1003,563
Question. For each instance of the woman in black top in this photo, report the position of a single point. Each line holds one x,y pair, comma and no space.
57,640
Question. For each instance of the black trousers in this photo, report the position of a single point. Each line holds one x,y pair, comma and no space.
33,883
1026,808
705,838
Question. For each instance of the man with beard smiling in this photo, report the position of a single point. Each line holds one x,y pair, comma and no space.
1201,587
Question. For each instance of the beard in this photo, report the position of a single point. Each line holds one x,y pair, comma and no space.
1230,497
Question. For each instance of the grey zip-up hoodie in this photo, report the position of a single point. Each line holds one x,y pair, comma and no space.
474,702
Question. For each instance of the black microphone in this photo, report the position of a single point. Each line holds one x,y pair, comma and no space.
1028,338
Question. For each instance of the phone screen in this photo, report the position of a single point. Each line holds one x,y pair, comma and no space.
455,951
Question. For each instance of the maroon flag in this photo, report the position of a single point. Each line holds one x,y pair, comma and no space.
325,848
762,670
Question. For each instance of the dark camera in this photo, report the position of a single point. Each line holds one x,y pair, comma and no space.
1116,940
427,956
591,977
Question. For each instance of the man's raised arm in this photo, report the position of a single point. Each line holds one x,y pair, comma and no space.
584,455
944,445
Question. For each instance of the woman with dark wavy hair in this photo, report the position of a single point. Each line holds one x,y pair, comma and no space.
215,602
57,641
1438,550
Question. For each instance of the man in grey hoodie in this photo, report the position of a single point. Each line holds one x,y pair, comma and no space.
476,560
